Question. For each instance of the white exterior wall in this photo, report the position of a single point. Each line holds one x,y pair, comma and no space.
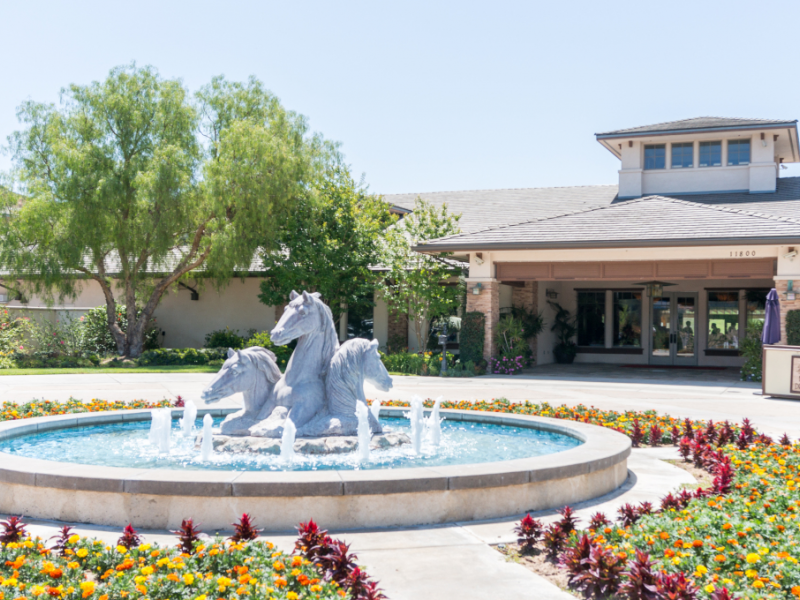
758,177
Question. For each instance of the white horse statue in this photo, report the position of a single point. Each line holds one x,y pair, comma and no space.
355,362
254,373
300,393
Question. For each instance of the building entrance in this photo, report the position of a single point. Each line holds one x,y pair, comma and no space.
674,333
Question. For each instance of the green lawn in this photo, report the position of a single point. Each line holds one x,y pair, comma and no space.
117,369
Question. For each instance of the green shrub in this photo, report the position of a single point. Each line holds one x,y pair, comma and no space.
227,338
182,356
511,339
793,327
409,363
282,353
12,332
750,348
472,337
97,337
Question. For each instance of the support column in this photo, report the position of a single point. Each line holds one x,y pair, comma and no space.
488,303
527,297
781,286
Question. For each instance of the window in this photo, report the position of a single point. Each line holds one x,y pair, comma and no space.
628,319
655,156
756,308
592,318
723,320
683,155
738,152
710,154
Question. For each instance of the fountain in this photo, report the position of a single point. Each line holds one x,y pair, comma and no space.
364,438
305,443
189,416
287,442
417,418
207,446
160,429
433,424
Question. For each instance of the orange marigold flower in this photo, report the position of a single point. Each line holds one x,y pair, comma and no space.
697,543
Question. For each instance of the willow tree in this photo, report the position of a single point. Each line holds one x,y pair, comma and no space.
136,184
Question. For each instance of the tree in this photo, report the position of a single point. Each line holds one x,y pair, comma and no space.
136,185
327,245
415,284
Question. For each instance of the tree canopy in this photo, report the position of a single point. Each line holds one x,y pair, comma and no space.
136,184
417,284
328,244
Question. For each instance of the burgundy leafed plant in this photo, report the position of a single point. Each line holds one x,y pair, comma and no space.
685,496
698,455
598,521
669,502
688,430
675,587
742,442
711,432
724,477
721,594
13,530
179,402
311,540
554,539
130,538
361,587
338,562
244,530
573,558
644,508
601,577
748,430
637,435
62,540
568,520
726,434
639,582
528,531
675,434
785,440
685,448
628,515
763,438
188,536
655,434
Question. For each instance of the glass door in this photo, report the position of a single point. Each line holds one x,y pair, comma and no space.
674,333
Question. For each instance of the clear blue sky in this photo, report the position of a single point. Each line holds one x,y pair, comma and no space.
428,96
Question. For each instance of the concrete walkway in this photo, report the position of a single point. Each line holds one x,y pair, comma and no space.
456,560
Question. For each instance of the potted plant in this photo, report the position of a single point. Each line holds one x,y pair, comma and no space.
564,328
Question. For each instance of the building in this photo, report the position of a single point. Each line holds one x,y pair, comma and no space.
667,267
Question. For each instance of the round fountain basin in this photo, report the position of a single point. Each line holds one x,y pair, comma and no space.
126,445
73,468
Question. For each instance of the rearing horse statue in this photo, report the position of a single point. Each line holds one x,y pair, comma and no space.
300,393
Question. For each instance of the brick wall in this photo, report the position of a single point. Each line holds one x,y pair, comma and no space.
781,286
527,297
488,303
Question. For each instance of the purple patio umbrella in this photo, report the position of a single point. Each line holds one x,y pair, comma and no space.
772,319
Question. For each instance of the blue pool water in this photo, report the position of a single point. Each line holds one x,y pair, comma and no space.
127,445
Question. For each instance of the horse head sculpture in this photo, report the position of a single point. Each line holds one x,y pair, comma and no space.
253,372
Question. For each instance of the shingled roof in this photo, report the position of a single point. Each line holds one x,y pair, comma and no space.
699,123
653,220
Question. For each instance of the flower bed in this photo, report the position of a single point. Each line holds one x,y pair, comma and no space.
70,566
10,411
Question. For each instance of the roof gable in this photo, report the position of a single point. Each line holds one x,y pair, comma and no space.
698,123
646,221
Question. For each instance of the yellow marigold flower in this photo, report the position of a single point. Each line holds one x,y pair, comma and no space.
188,579
148,570
140,579
73,539
758,584
292,596
82,553
201,597
297,561
278,565
702,570
296,572
709,588
144,547
87,587
122,549
37,590
73,565
753,558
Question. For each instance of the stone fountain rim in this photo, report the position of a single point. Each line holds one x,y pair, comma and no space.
601,448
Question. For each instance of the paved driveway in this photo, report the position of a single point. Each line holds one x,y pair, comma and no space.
701,394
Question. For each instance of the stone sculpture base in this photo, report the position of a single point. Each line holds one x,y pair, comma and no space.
318,446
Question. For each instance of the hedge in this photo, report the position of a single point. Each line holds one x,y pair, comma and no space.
793,327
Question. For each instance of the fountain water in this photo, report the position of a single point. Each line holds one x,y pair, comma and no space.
160,428
433,424
208,445
375,408
416,416
364,437
189,416
287,440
